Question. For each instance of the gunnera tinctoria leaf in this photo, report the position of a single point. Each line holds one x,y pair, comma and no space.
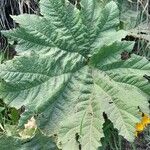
69,70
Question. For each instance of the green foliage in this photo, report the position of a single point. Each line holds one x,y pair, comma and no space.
8,119
39,141
70,69
134,16
15,7
1,57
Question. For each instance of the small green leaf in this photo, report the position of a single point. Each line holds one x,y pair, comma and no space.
14,115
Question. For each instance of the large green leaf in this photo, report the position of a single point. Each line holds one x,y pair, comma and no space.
69,71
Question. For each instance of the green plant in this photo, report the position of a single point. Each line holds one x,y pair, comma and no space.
15,7
111,141
135,17
71,67
39,141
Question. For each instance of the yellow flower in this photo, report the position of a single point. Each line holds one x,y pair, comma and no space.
145,120
139,127
142,124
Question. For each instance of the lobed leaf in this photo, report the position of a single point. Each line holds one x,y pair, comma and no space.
69,71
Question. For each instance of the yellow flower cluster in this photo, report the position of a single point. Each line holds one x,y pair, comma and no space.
142,124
